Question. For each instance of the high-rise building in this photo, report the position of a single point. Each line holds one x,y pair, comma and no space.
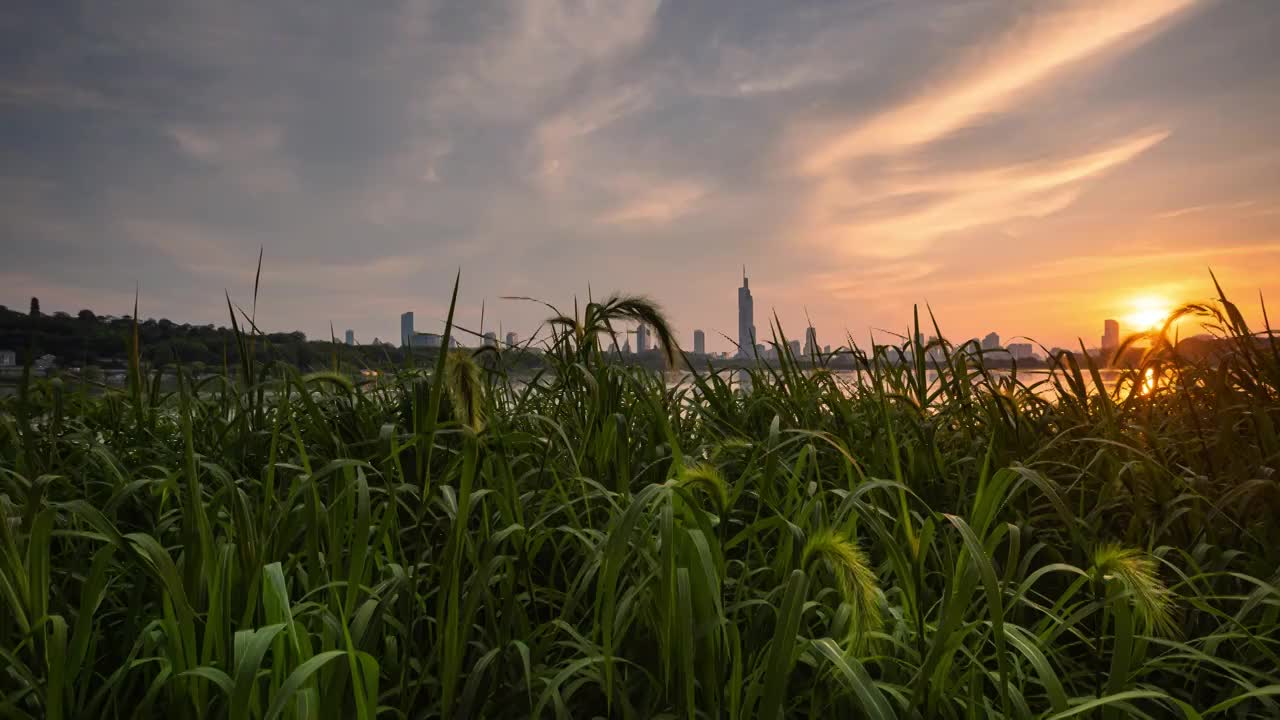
826,349
491,339
351,337
795,347
810,342
642,338
626,347
406,329
1021,351
746,318
699,342
1110,335
991,342
512,340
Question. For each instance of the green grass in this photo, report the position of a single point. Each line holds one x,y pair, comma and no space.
449,542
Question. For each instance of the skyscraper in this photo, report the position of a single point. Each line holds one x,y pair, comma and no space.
512,340
351,337
794,345
406,328
642,338
991,342
699,342
1110,335
746,318
811,342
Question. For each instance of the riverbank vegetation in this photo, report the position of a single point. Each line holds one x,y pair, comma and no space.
447,542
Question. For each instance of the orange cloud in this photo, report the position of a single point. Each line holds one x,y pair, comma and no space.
842,212
659,204
1028,56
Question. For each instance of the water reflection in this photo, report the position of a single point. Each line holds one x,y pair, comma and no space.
1037,381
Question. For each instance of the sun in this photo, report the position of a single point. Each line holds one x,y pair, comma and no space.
1148,312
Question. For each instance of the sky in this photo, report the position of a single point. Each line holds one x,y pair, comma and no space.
1029,168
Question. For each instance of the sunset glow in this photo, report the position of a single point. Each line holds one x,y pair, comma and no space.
1148,313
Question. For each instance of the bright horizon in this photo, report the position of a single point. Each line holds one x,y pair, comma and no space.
1028,169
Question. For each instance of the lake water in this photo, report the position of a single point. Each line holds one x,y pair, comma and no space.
1036,379
850,378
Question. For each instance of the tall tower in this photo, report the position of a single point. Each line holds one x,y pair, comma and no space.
642,338
699,342
1110,335
811,342
406,329
351,337
746,319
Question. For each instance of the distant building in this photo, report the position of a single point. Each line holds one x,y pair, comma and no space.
1110,335
512,340
351,337
406,329
44,362
826,349
491,339
761,350
794,345
746,318
642,338
699,342
8,358
810,342
991,342
425,340
1022,351
937,348
626,346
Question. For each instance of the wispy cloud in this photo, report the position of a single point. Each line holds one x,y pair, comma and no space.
1029,54
847,215
656,204
1209,207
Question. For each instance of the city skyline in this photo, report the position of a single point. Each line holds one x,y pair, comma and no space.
411,334
1022,349
162,150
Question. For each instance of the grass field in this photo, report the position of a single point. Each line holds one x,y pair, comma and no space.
446,542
